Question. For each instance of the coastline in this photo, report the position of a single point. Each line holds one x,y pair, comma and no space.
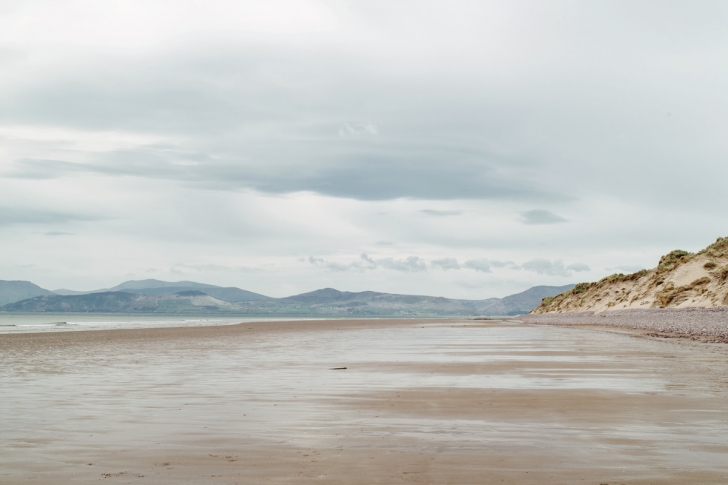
704,324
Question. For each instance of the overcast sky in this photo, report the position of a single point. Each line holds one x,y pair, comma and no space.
453,148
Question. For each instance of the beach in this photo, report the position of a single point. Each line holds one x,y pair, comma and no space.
363,401
704,324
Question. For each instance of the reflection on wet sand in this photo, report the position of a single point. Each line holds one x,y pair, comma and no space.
419,401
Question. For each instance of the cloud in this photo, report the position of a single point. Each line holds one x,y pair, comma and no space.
366,174
544,266
539,216
358,129
482,265
208,125
207,268
553,268
364,263
11,216
578,267
504,264
59,233
413,264
410,264
445,264
438,213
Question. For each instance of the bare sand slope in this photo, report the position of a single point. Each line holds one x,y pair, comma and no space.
680,280
431,402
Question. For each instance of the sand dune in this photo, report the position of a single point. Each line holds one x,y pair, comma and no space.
680,280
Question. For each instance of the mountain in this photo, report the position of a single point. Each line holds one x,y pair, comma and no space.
374,303
231,294
680,280
158,287
12,291
122,302
525,301
66,292
154,296
147,284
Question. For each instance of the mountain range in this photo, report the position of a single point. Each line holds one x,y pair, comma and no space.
182,297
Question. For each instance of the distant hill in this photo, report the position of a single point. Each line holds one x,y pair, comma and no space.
525,301
154,296
158,287
146,284
374,303
12,291
122,302
231,295
680,280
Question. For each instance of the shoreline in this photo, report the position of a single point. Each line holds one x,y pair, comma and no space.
708,325
213,331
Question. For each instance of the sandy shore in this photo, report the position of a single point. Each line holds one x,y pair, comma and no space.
420,401
706,324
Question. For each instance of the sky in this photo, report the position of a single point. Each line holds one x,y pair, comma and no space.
451,148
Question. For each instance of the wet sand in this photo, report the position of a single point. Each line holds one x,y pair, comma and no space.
421,401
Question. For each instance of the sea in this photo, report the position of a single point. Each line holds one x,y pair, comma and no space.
65,322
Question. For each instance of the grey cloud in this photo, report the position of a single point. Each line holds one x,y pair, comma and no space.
438,213
59,233
578,267
288,113
553,268
445,264
482,266
183,267
504,264
10,216
411,264
358,129
471,132
378,175
362,264
540,216
258,132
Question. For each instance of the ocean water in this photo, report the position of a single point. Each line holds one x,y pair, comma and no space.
63,322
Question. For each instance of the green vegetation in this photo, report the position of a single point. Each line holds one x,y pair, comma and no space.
580,288
709,265
672,260
622,277
718,249
547,301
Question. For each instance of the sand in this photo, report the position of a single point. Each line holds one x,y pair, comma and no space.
420,401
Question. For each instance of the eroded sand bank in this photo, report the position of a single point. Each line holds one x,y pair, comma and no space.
419,401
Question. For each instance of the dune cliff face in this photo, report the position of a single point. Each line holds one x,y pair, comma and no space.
680,280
